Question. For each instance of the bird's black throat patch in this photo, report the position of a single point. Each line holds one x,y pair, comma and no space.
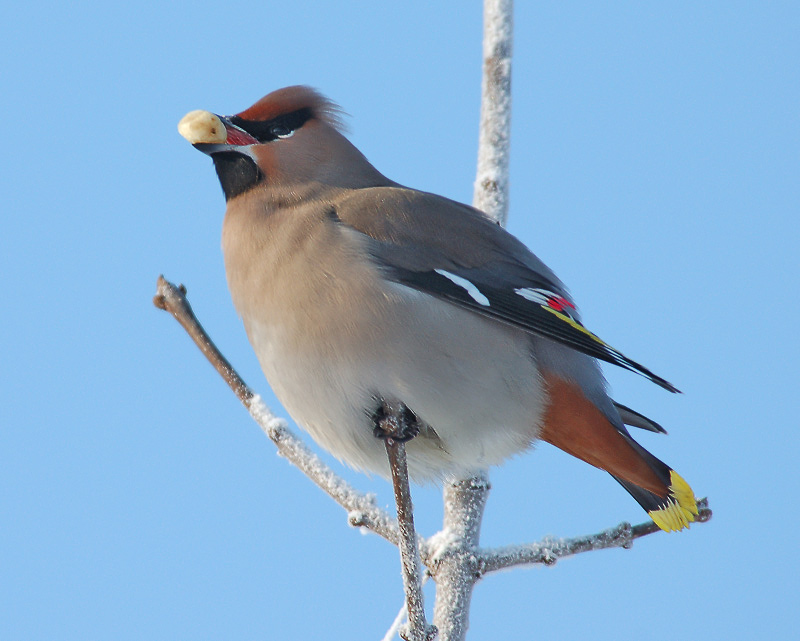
237,173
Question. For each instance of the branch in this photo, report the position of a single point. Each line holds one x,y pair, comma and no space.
455,564
395,423
362,509
491,181
418,628
550,550
173,300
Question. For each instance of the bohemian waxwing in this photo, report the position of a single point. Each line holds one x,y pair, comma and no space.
356,291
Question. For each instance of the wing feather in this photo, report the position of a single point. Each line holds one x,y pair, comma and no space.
455,253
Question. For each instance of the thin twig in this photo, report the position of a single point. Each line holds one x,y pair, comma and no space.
397,623
394,629
362,509
418,629
550,550
395,423
173,300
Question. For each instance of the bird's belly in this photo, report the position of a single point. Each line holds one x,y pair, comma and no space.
471,380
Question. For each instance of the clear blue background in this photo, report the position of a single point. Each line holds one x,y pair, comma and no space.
654,167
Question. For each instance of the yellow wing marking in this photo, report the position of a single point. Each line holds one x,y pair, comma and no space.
576,325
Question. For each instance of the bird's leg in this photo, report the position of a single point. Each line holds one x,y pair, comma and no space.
395,423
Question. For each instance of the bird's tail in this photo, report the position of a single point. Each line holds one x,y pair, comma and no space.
672,510
574,424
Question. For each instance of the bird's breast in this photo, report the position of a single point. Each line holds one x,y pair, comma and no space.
333,337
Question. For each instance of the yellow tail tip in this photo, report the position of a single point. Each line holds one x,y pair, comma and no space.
679,509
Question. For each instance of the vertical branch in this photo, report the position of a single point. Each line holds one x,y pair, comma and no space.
457,566
491,181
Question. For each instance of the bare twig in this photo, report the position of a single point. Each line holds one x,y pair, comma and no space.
173,300
418,629
550,550
395,423
362,509
394,629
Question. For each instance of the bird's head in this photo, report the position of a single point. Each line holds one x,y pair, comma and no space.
289,139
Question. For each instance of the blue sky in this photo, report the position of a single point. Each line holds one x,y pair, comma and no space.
654,168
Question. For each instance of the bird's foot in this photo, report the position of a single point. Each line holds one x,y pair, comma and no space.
394,420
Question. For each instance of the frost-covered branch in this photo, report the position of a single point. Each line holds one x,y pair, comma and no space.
491,181
455,564
362,508
550,550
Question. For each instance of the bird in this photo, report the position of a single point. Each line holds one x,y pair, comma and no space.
356,292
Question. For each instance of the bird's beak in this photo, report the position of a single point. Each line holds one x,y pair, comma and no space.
211,133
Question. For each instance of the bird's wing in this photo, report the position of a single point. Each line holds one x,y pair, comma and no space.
455,253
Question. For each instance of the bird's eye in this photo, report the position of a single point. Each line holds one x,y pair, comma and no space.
282,126
280,131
